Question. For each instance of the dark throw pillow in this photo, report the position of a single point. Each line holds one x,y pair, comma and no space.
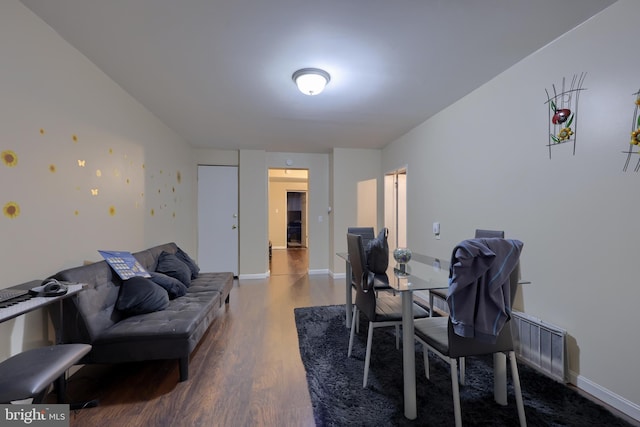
377,253
174,287
171,265
184,257
140,295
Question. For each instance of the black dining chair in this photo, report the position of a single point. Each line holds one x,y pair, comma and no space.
382,310
367,233
441,294
442,335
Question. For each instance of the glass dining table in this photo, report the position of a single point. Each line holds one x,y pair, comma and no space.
422,273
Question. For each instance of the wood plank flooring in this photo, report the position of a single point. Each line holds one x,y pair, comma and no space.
246,371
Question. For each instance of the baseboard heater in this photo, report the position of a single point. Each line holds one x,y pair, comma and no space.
541,345
537,342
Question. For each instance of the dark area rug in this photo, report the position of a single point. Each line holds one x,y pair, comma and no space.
335,384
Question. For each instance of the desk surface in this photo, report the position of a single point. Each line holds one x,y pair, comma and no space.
422,273
34,303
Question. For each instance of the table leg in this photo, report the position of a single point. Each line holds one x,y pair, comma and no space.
408,357
349,300
500,378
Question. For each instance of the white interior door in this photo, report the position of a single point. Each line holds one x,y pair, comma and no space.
218,218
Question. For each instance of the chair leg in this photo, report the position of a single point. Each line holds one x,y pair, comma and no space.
518,391
353,330
367,358
461,369
430,304
425,355
397,337
457,413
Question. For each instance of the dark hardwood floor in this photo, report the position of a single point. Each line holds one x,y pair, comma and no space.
246,371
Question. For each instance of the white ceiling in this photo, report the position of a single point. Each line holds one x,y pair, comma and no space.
218,72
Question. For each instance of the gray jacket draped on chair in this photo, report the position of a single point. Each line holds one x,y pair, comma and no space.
479,295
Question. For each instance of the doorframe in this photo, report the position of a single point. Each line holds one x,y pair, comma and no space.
395,206
284,220
304,242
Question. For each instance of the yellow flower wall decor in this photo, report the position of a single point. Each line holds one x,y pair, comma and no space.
9,158
11,210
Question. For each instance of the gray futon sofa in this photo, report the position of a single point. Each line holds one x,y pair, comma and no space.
171,331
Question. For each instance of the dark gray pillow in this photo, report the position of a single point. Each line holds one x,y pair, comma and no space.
174,287
140,295
184,257
171,265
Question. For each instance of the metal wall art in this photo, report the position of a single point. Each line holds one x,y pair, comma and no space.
634,144
563,112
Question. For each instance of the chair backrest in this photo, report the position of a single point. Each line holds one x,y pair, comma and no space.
462,346
365,297
367,234
515,274
489,233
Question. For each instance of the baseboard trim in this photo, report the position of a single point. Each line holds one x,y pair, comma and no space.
319,271
337,275
253,276
607,396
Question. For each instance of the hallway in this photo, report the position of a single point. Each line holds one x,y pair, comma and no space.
289,261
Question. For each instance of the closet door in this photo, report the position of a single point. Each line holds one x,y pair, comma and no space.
218,219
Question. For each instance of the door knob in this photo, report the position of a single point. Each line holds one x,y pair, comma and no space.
233,227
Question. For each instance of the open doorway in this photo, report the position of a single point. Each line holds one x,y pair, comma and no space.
395,207
288,221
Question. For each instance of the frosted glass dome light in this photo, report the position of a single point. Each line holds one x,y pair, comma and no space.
311,81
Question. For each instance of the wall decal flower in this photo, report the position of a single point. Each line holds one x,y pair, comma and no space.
564,134
9,158
563,112
112,210
634,143
52,168
11,210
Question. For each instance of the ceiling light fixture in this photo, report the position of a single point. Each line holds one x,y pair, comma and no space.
311,81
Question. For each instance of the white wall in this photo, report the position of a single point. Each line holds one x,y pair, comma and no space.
56,109
483,163
254,238
349,167
367,206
